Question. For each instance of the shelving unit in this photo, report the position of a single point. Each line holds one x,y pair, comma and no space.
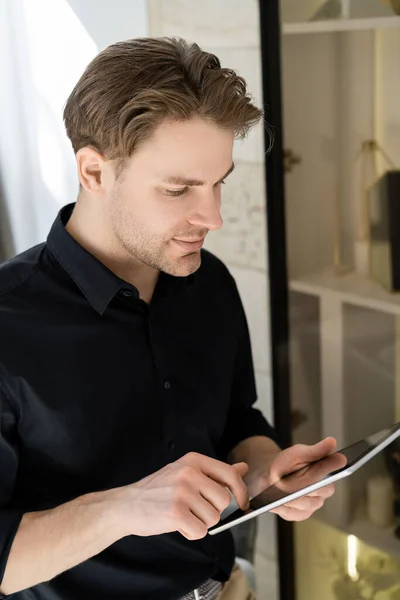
344,344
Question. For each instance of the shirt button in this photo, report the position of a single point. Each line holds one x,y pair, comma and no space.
167,385
127,293
171,445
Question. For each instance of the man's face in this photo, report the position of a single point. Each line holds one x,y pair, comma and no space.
169,195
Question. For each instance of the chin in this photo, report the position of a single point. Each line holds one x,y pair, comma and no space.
184,265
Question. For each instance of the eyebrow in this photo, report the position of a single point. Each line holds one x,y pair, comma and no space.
177,180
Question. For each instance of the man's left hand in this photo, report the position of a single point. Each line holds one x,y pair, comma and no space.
296,458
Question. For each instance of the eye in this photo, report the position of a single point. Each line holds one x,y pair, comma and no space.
222,182
176,192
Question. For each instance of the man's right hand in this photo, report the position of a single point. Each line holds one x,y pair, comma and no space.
188,496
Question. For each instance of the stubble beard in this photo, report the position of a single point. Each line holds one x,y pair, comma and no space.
146,247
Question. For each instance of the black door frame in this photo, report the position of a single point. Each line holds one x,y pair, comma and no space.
270,31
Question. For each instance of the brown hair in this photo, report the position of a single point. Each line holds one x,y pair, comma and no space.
132,86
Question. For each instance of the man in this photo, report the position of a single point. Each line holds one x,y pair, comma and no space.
126,377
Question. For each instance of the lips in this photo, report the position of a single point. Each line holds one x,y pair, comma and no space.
190,246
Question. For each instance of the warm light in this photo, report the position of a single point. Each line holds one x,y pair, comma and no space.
352,557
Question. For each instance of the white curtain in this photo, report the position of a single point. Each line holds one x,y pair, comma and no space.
43,50
44,47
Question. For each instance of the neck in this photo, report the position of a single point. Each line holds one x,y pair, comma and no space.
89,228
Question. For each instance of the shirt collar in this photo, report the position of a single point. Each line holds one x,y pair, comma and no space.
97,283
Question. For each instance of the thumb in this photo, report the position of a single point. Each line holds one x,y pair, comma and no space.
299,456
241,468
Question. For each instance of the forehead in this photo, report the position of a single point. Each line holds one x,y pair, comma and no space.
195,148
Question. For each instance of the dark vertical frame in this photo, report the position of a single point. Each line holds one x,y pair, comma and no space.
270,30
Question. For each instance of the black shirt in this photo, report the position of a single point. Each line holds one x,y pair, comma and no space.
99,389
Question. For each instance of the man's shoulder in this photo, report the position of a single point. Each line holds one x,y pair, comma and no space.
17,270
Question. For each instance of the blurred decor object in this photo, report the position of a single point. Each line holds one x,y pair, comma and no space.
297,418
290,159
384,217
340,9
367,579
394,5
366,157
332,9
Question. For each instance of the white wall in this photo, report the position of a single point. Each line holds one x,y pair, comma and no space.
230,29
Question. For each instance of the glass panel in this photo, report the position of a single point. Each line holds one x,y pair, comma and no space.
341,118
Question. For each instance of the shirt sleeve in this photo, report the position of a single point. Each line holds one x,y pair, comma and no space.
244,420
9,518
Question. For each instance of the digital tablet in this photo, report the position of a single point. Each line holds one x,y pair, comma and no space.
310,478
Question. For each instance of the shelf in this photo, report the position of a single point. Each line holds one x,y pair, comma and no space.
352,289
340,25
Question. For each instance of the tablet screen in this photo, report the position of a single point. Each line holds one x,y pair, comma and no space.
311,474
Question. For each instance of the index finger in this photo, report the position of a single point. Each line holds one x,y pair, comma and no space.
227,476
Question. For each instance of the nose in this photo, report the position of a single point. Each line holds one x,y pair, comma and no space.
208,213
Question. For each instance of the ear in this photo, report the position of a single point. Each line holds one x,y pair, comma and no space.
90,165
